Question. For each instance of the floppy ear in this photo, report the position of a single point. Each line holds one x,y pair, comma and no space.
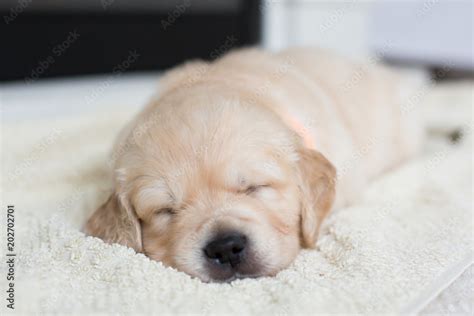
116,222
318,179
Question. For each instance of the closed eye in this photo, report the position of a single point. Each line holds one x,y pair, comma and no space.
254,188
166,210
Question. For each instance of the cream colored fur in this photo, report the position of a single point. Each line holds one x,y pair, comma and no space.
257,143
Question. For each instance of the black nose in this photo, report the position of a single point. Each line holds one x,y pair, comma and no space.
226,249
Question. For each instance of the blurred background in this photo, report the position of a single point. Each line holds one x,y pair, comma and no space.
70,56
46,38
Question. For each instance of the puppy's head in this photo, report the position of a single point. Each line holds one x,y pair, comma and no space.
217,189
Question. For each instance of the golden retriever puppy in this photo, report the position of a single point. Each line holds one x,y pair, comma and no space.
231,170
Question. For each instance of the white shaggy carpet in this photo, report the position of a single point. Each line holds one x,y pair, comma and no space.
457,299
408,240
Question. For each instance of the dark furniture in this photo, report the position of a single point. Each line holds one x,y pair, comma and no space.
63,38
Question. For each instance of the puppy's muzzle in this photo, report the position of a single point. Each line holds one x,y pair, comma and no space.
228,256
227,249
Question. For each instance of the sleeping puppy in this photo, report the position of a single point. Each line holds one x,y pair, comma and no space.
231,170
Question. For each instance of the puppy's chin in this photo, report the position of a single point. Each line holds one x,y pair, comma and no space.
216,274
211,270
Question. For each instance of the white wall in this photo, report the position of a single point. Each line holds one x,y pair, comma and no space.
428,32
342,26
